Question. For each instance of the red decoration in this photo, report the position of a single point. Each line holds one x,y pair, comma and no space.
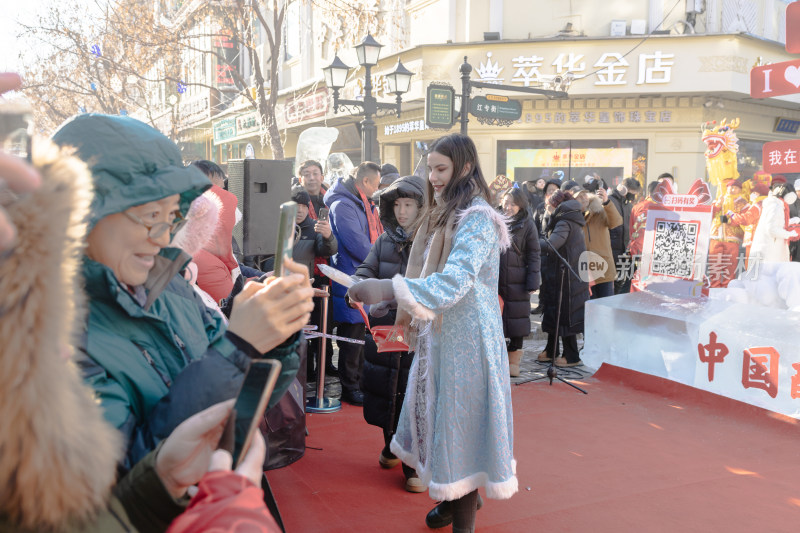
781,156
712,353
776,79
760,369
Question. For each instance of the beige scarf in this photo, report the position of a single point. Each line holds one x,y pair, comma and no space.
422,266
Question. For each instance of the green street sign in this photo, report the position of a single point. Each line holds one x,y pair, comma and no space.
493,106
440,109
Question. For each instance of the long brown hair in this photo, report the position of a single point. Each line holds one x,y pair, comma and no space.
463,186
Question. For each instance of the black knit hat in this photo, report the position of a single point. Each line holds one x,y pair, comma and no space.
300,195
389,173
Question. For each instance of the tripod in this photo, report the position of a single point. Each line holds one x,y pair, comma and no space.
552,372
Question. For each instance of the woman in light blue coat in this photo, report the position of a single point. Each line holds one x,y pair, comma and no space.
456,425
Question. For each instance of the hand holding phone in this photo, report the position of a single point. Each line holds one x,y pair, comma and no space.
267,313
285,241
323,214
251,402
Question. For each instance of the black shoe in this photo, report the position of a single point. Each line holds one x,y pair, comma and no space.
353,397
442,515
537,310
331,370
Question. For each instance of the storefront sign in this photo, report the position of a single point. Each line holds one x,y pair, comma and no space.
380,87
776,79
227,55
405,127
248,123
782,156
610,68
784,125
635,116
224,130
440,106
793,28
195,110
306,107
493,106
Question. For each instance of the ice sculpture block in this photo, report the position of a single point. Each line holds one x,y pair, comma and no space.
742,351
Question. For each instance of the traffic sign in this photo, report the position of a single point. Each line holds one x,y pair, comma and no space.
440,110
776,79
493,106
793,28
781,156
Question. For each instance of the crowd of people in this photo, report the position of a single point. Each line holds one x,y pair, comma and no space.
126,254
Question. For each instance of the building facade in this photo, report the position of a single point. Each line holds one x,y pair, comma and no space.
646,75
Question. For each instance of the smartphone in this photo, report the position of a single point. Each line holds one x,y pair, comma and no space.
251,402
285,241
323,214
16,127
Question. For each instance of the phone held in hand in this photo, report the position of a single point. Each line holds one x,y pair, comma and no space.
323,214
251,402
285,241
16,127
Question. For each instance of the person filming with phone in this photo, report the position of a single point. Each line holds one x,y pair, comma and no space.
152,352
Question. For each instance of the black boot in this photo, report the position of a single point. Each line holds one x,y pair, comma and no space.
442,514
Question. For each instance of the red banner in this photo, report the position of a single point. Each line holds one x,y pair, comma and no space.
782,156
793,28
776,79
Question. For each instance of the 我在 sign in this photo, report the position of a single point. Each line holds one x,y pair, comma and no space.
440,106
493,106
776,79
782,156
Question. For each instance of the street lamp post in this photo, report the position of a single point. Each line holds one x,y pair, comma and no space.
399,81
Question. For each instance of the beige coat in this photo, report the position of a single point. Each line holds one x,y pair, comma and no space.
599,219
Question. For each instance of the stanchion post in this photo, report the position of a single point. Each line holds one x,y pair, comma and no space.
320,404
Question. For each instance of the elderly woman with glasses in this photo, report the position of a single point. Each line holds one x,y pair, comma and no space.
152,352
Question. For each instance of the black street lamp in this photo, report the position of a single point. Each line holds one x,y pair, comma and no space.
399,81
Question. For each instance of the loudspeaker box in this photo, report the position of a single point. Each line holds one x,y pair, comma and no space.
261,185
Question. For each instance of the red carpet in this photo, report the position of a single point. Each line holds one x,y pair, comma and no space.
638,454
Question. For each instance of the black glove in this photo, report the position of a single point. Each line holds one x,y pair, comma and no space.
371,291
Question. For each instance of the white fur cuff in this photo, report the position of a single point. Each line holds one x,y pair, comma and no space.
406,300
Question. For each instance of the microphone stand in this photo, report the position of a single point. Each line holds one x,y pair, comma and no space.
552,371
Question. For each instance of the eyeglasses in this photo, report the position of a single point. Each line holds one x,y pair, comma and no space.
157,230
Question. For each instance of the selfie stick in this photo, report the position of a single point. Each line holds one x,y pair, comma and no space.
319,403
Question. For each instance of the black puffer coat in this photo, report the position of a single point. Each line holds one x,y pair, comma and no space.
310,244
519,274
564,233
385,375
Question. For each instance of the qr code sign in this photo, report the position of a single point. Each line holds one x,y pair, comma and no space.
674,248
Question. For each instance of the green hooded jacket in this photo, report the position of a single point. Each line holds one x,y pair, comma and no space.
156,359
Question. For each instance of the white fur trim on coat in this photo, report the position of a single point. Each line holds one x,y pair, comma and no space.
499,220
406,300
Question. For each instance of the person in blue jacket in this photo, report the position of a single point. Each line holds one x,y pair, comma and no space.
356,225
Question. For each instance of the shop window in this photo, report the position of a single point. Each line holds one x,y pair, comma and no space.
577,160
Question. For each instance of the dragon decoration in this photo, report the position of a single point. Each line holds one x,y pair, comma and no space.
722,147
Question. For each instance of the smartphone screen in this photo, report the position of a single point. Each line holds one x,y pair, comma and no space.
323,213
285,241
251,402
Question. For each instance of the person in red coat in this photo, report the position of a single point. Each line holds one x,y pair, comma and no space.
217,267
